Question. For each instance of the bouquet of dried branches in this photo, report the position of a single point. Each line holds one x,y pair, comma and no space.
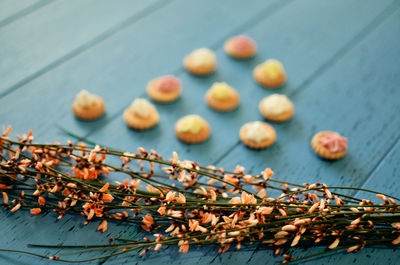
183,203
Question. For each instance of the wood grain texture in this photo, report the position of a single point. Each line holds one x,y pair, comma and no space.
274,158
11,10
119,59
26,43
238,74
343,75
115,70
372,130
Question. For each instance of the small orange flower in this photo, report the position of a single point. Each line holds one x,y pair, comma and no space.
41,200
16,207
102,226
148,222
106,197
267,173
184,246
105,187
36,210
161,210
5,198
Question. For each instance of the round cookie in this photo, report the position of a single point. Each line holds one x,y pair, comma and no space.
270,74
276,107
164,89
222,97
240,47
141,115
329,145
257,134
200,62
192,129
88,106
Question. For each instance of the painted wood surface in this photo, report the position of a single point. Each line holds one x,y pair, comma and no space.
11,10
343,75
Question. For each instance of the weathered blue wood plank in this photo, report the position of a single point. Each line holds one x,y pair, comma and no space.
277,158
303,54
57,32
118,62
385,176
119,68
11,10
356,97
238,74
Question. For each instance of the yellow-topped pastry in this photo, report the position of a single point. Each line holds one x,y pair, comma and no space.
276,108
192,129
141,107
222,97
221,90
257,134
87,106
85,99
191,123
272,68
200,62
270,74
203,57
141,115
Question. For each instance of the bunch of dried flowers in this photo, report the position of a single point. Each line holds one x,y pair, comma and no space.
183,203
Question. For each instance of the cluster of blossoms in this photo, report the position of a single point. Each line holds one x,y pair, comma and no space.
183,203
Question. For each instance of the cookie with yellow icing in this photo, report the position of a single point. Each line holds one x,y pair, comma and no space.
164,89
240,47
222,97
270,74
257,134
141,115
277,108
200,62
192,129
87,106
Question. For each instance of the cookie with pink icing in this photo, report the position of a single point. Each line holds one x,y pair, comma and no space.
240,47
329,145
164,89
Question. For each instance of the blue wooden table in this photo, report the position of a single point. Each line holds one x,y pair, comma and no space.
342,60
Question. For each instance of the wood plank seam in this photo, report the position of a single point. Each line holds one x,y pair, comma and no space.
264,13
270,10
86,46
381,160
26,11
369,28
378,20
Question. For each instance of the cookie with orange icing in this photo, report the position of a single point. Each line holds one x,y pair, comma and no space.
270,74
257,134
141,115
164,89
222,97
276,107
200,62
192,129
87,106
329,145
240,47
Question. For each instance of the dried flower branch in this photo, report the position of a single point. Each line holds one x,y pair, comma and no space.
183,203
